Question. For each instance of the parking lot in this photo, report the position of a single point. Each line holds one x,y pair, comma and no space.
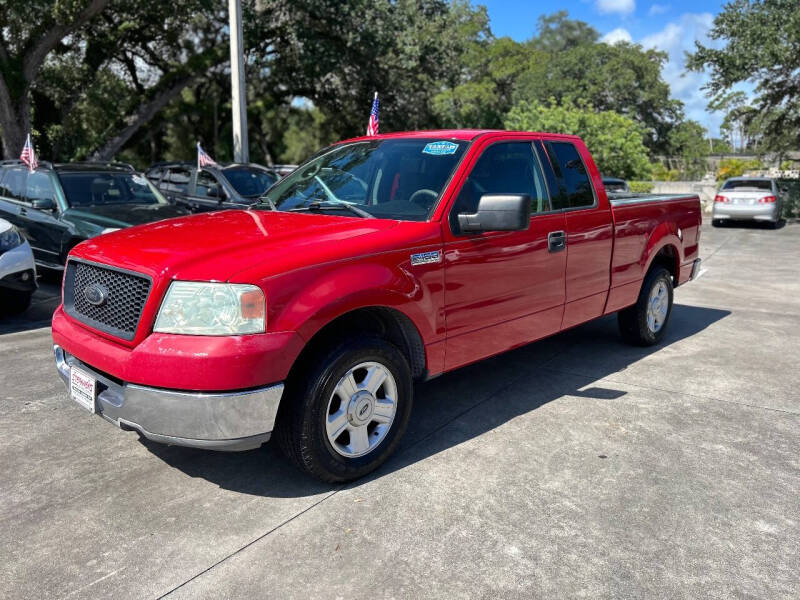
574,467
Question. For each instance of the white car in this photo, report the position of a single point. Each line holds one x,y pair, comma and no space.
17,271
748,199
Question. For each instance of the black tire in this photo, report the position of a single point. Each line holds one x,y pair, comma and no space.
633,323
301,432
14,302
717,222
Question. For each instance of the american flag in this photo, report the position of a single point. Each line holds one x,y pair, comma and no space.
203,159
28,155
372,126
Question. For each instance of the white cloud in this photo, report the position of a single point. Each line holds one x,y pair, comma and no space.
620,34
677,38
658,9
622,7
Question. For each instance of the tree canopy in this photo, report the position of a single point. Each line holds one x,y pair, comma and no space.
614,140
760,44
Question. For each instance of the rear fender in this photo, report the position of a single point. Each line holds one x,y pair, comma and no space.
665,234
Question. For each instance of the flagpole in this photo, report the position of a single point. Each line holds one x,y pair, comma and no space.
238,92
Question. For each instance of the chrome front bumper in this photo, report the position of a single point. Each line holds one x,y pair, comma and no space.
231,421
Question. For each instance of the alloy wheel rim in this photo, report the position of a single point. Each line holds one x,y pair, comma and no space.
657,306
361,409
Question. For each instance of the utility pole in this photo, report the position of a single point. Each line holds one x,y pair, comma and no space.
238,93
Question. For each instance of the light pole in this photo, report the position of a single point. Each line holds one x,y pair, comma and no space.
238,93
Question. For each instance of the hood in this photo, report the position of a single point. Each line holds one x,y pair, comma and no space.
214,246
121,215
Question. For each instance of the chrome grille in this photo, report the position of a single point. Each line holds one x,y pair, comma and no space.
117,302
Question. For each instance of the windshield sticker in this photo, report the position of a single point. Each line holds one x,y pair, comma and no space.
440,148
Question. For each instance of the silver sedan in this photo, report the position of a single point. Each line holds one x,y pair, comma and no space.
748,199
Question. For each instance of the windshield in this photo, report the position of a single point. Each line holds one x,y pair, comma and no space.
99,189
249,182
752,184
388,179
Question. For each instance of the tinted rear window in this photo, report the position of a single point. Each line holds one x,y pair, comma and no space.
753,184
569,168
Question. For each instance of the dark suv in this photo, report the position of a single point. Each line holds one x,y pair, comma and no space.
214,187
59,205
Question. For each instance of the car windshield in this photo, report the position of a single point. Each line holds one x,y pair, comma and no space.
98,189
389,179
752,184
248,181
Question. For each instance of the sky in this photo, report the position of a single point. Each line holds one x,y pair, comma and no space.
669,25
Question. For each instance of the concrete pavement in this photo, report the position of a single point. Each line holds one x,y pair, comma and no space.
574,467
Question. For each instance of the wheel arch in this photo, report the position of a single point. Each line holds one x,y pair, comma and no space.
384,321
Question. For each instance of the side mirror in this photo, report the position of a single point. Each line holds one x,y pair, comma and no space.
43,204
498,212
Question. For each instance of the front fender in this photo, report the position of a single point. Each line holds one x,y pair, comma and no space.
325,293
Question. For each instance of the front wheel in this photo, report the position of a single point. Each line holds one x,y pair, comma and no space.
14,302
347,416
645,323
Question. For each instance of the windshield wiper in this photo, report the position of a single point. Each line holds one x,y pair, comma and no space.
318,206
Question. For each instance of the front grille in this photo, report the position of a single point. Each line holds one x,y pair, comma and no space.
105,298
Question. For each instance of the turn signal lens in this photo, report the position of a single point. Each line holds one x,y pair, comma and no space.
253,305
719,198
766,199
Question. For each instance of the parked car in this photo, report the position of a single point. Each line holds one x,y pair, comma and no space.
213,187
615,184
748,199
17,271
380,261
59,205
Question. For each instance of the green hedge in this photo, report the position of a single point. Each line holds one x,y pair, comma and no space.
791,205
641,187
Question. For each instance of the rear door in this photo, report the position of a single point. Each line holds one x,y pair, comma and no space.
589,228
502,289
12,193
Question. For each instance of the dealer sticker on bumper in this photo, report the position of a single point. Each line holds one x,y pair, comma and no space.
82,387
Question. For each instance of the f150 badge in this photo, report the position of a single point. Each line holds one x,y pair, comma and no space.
426,258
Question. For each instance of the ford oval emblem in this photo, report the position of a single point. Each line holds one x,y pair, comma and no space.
95,294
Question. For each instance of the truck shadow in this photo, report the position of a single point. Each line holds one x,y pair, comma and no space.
462,405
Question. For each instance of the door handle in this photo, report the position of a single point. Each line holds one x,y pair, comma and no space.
556,241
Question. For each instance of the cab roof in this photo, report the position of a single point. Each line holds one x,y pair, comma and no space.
453,134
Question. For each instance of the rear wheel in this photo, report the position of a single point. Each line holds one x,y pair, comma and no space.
346,417
645,323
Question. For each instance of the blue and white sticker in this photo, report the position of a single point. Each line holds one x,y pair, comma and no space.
440,148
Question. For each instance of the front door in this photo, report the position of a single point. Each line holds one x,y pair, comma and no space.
45,231
503,289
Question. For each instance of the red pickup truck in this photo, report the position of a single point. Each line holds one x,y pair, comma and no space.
378,262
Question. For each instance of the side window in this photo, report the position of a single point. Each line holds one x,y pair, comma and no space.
504,168
207,186
14,184
40,187
568,166
155,174
176,179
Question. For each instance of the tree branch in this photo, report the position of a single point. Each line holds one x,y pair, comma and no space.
41,48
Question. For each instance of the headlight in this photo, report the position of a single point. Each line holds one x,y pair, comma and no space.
196,308
10,238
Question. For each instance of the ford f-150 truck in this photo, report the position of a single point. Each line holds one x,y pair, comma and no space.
380,261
